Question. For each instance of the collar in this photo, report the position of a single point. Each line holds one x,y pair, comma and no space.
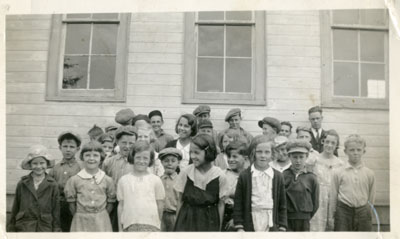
97,177
172,176
29,177
269,171
315,131
161,133
349,166
303,171
180,147
69,162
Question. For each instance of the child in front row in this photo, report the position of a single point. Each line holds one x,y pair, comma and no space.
140,193
260,200
353,190
90,193
170,158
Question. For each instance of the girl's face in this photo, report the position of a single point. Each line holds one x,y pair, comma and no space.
91,159
234,122
236,161
141,161
184,129
197,155
263,155
107,146
330,144
226,140
125,144
38,166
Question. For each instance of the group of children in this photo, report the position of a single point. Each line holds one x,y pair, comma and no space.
135,177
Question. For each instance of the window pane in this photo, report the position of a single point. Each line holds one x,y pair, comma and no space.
345,16
78,15
373,80
373,17
104,38
211,15
105,16
77,39
238,75
372,46
75,72
345,77
239,15
102,72
238,41
211,41
210,74
345,45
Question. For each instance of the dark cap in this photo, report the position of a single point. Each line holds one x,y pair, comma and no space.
202,109
154,113
125,130
70,134
298,145
170,151
205,123
140,117
106,137
231,113
124,116
273,122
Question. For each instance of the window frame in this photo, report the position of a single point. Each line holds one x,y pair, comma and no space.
189,94
54,91
328,99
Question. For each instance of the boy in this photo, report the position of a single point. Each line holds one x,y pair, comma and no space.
95,132
286,129
69,144
281,161
270,126
353,190
304,133
124,117
170,158
157,121
202,112
234,117
205,127
302,188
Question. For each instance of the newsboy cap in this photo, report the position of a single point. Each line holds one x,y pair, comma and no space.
110,128
37,151
125,130
273,122
298,145
70,134
124,116
280,140
231,113
205,123
170,151
201,109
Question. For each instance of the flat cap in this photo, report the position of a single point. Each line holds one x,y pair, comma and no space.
205,123
70,134
298,145
280,140
273,122
170,151
106,137
110,128
124,116
125,130
140,117
231,113
303,128
201,109
37,151
154,113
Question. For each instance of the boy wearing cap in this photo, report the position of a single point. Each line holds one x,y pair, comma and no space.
36,206
234,117
205,126
157,121
281,160
270,126
124,117
69,144
302,187
202,112
304,133
170,158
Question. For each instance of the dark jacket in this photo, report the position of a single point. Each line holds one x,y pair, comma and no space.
242,207
318,145
302,194
35,210
171,144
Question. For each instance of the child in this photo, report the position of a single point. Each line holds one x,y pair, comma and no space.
90,193
229,136
36,206
107,142
270,126
170,158
353,190
205,126
234,117
323,168
237,158
281,160
124,117
157,121
69,144
147,134
302,188
260,200
304,133
95,132
202,188
203,112
140,193
286,129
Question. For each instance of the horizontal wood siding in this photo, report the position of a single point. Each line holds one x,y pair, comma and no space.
155,72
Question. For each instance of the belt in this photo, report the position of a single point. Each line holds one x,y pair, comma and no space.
344,205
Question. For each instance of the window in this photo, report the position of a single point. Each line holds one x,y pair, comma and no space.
355,58
87,57
224,58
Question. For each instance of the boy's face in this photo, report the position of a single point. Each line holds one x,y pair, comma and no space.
234,122
263,156
304,135
91,159
315,119
206,131
141,161
68,148
268,130
298,160
236,161
203,116
330,144
170,163
156,122
38,166
281,153
144,135
354,152
107,146
285,130
125,144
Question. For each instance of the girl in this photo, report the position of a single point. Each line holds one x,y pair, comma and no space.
324,168
90,193
107,142
186,128
202,188
260,199
228,136
36,205
140,193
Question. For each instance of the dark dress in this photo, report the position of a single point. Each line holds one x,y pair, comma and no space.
199,211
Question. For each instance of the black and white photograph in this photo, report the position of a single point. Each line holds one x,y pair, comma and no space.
198,121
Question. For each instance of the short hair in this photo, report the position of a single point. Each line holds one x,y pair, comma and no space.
315,109
69,137
288,124
192,121
354,138
138,147
232,133
93,146
206,142
302,128
259,139
333,133
238,146
147,128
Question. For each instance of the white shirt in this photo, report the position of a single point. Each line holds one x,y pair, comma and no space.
275,165
315,132
261,193
185,154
